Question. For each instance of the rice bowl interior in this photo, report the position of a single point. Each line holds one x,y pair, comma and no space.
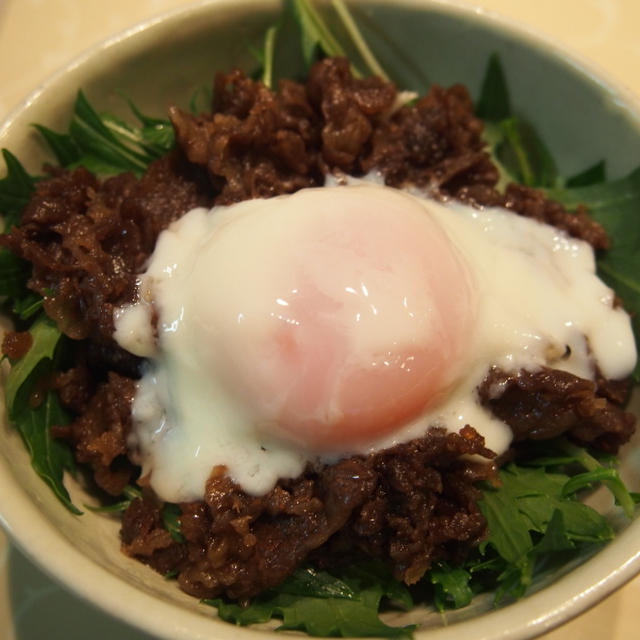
84,552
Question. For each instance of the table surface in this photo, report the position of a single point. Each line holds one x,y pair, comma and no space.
39,36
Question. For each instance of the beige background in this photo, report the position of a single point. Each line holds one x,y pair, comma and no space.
39,36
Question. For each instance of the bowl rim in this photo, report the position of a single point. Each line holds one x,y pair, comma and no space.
47,547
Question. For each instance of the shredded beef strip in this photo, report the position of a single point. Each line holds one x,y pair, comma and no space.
87,239
543,404
411,504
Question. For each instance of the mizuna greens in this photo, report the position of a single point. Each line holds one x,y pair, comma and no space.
535,520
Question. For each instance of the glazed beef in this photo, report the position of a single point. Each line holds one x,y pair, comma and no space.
88,239
410,505
99,433
546,403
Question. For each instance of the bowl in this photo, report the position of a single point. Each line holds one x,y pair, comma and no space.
161,61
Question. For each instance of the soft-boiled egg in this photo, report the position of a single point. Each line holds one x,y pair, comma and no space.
345,319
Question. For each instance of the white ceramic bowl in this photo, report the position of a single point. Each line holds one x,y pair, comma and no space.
579,114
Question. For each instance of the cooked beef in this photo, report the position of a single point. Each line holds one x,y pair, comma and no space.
410,505
99,433
15,344
87,240
259,144
546,403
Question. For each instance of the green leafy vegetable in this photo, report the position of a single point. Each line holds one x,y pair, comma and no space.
494,104
130,493
517,149
156,135
301,32
316,38
592,175
524,155
323,605
358,41
171,520
556,537
107,145
451,587
13,275
318,584
114,507
45,337
63,146
49,457
15,189
27,306
267,56
508,530
596,473
101,147
530,514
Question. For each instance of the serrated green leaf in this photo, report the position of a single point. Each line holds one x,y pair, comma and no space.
592,175
518,482
515,579
316,616
14,272
337,617
95,144
515,145
525,156
152,140
556,537
532,500
494,104
581,521
15,190
609,478
61,144
451,587
50,458
377,573
353,613
508,530
45,337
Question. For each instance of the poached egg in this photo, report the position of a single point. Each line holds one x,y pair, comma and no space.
343,320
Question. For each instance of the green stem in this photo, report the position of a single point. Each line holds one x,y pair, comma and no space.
358,41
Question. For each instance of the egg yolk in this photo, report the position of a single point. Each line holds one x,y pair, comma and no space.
344,314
